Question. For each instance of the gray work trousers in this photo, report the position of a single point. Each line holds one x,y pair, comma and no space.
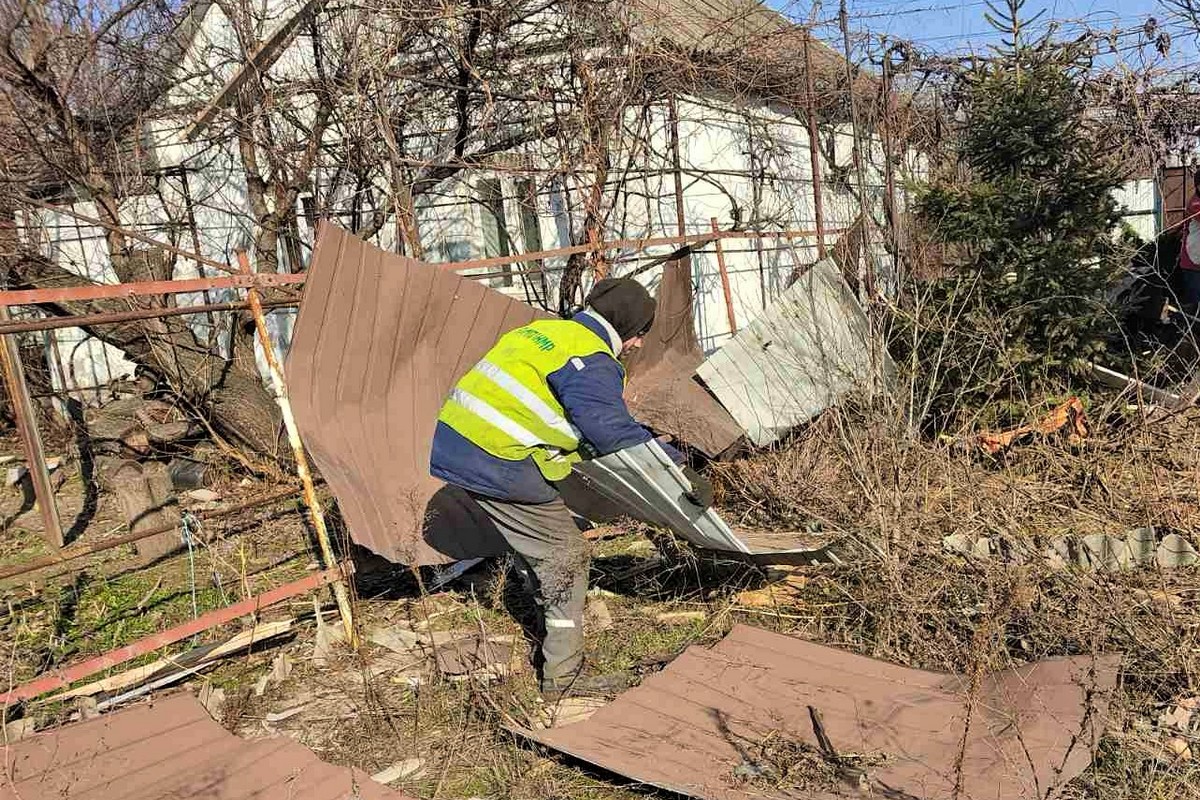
546,537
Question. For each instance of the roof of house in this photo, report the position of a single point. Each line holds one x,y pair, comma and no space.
747,47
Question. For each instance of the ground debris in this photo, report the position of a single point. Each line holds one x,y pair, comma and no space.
679,617
596,615
409,768
397,638
781,762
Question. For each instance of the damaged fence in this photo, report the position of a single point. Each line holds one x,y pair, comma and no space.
390,319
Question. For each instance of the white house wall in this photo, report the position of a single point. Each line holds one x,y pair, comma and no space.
717,140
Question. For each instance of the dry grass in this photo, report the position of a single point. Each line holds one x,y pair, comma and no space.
907,600
918,605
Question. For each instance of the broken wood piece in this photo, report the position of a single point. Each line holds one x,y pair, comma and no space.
204,655
409,768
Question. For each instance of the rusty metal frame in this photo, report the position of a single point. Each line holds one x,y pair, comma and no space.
254,283
59,679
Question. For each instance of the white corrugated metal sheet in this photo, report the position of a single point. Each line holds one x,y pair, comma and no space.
803,354
646,482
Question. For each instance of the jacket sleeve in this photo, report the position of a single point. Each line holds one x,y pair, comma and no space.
590,390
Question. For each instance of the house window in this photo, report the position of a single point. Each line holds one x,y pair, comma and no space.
495,231
531,229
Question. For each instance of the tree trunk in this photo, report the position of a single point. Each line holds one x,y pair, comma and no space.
229,393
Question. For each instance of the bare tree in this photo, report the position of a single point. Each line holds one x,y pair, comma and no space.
78,80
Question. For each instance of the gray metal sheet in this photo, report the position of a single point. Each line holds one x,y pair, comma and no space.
811,347
644,481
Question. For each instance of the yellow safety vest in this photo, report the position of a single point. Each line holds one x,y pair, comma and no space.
504,404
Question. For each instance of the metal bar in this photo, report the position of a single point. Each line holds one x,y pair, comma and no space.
724,279
21,297
111,317
59,679
31,437
311,500
141,237
109,291
73,553
889,167
866,275
813,148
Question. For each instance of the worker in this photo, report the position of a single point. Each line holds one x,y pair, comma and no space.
542,397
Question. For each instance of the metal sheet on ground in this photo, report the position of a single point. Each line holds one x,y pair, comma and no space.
170,749
649,486
802,355
706,725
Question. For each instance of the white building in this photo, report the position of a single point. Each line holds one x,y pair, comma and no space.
743,159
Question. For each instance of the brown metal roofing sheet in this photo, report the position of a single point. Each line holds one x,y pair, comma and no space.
662,391
171,748
688,728
379,343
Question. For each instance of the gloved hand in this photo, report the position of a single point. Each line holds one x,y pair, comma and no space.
702,490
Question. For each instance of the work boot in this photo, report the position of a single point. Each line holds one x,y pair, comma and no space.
579,686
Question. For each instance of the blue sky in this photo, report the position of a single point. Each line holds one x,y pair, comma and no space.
958,26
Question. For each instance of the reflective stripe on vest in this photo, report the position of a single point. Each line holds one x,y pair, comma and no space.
504,404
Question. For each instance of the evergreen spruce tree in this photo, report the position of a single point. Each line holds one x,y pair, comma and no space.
1034,223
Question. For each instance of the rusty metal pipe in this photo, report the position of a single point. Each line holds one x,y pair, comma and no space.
113,317
724,279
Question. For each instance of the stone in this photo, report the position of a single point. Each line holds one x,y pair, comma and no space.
596,615
15,731
1175,551
395,638
982,547
679,617
1142,543
213,700
203,495
1107,553
957,543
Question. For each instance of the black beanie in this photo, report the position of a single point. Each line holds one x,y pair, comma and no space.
626,305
